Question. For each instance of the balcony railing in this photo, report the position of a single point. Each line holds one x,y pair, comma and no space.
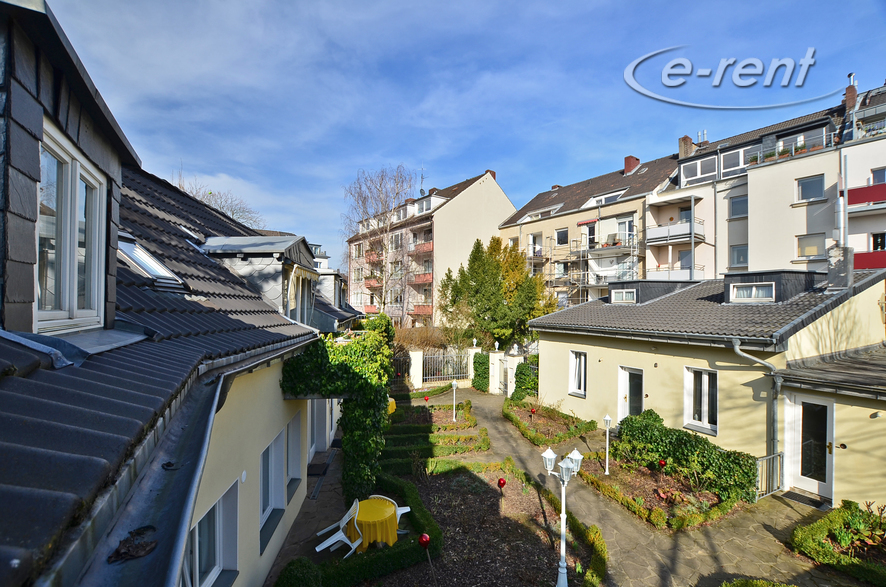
422,309
373,256
535,252
870,260
868,194
674,232
873,129
612,243
810,145
600,278
367,309
372,282
426,277
677,273
421,247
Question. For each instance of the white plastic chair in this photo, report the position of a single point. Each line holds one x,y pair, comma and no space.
400,511
340,537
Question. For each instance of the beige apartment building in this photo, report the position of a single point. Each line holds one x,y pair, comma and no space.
584,235
396,269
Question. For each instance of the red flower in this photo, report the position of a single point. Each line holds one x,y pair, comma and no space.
533,410
662,463
426,398
424,540
501,483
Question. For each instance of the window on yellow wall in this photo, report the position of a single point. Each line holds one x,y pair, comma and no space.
701,400
578,373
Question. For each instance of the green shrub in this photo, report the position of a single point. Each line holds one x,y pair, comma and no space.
383,325
812,541
525,381
658,518
481,372
358,372
537,438
300,572
753,583
729,474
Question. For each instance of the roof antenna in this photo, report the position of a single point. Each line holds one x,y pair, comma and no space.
422,184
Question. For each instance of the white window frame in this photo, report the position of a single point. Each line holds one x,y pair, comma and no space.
225,537
703,424
698,178
754,290
734,199
557,234
358,251
357,299
874,172
822,249
802,180
561,269
578,374
623,296
273,476
75,167
732,262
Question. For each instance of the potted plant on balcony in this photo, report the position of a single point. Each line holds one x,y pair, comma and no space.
753,159
769,156
801,148
784,153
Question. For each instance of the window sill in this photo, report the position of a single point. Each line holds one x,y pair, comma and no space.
817,259
225,578
578,394
291,488
268,528
734,218
803,203
700,429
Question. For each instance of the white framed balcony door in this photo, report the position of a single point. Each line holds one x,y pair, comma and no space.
809,444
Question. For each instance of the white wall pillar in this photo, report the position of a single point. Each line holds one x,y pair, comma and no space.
495,358
471,352
416,368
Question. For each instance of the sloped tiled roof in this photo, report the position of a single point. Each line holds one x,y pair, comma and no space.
698,312
834,114
456,189
645,178
861,370
66,432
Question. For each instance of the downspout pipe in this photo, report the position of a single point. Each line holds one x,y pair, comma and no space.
776,391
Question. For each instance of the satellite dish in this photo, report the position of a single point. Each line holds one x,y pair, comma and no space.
422,192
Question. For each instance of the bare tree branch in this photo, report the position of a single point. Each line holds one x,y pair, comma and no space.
234,206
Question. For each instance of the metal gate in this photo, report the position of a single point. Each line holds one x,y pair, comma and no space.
770,474
503,375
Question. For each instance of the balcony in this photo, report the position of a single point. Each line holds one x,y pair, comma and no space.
370,309
870,260
422,309
535,252
373,257
593,278
421,247
372,282
418,278
678,273
867,195
674,233
757,155
616,243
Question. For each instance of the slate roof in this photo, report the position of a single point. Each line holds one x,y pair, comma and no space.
698,313
65,433
861,372
833,114
574,196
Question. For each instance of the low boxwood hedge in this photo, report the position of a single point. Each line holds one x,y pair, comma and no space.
434,445
400,414
373,563
811,541
421,393
753,583
537,438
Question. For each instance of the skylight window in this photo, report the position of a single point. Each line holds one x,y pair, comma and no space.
144,261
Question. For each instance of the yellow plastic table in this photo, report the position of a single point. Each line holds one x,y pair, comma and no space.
392,405
377,520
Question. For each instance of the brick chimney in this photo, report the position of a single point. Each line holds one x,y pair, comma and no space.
851,93
491,172
686,146
631,163
556,186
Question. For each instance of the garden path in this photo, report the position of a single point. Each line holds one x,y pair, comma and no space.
749,543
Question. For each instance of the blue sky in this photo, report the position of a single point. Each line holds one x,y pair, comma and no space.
283,102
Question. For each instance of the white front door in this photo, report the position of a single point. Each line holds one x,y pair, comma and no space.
630,391
811,444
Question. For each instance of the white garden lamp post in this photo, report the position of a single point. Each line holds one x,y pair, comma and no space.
454,387
569,466
607,421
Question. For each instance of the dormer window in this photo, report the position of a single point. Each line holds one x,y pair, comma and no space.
71,237
752,292
623,296
701,171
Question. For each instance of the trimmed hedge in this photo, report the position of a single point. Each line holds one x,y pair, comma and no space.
481,372
811,541
730,474
438,445
525,380
421,393
400,414
374,563
591,536
753,583
539,439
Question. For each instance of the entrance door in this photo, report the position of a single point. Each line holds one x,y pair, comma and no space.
812,444
631,392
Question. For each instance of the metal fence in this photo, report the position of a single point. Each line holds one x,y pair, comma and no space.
447,367
770,474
